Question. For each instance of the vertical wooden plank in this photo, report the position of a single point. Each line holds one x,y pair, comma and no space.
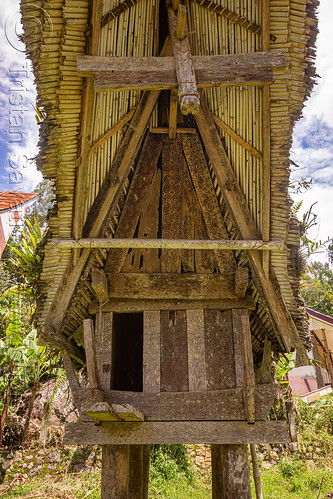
147,260
136,198
172,177
205,191
151,352
115,472
197,380
230,472
188,220
319,375
219,350
89,347
238,349
103,348
174,361
173,114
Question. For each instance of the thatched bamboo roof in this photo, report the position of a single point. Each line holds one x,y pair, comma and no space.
79,119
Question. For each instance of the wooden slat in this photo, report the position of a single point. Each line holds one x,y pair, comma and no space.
174,361
185,432
241,281
89,347
173,114
170,286
266,365
151,352
196,351
246,227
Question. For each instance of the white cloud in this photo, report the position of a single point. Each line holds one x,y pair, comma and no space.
17,95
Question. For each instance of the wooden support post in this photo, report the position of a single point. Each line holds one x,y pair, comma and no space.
189,100
103,348
230,472
328,355
256,472
115,472
89,346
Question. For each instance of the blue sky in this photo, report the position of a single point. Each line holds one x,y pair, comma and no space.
313,136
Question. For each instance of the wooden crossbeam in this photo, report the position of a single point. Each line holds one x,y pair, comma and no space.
231,16
243,221
163,286
176,432
195,244
135,305
120,73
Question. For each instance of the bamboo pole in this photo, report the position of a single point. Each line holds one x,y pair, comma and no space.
169,244
256,472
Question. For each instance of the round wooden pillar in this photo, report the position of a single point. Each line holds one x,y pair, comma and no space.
230,472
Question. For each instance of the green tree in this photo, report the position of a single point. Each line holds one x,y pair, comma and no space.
317,287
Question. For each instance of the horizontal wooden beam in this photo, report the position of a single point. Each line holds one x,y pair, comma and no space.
128,306
161,129
176,432
195,244
116,73
212,405
173,286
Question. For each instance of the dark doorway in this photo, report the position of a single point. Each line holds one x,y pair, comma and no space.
127,352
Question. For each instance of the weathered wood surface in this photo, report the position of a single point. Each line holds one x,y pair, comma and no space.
89,347
212,405
219,350
115,471
266,365
120,73
136,197
173,114
103,411
103,348
243,220
131,305
151,352
205,191
230,472
172,181
188,95
170,286
209,244
176,432
197,378
99,283
174,358
241,281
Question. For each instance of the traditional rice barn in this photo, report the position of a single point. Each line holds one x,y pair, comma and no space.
171,266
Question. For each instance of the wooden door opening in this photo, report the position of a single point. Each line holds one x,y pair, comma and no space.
127,352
